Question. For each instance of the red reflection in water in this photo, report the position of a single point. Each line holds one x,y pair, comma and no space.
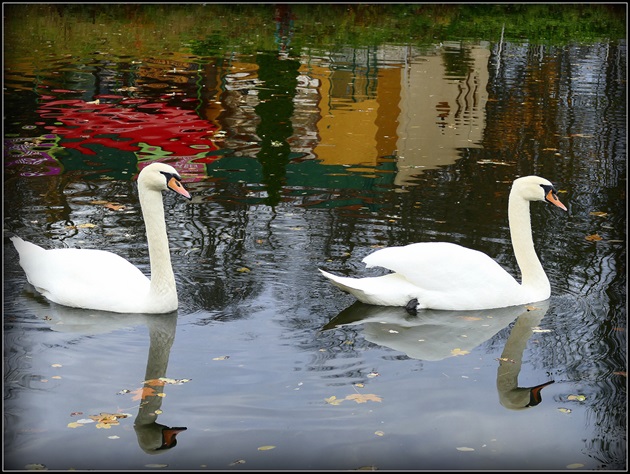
176,131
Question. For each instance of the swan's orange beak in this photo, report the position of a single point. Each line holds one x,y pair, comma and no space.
175,185
169,437
535,395
552,197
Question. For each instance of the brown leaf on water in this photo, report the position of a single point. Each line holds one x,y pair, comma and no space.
622,373
143,393
107,420
593,238
364,398
114,207
155,382
598,213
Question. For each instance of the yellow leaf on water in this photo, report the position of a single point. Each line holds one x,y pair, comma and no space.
74,424
333,400
243,270
364,398
579,398
564,410
87,225
576,465
458,352
598,213
379,433
265,448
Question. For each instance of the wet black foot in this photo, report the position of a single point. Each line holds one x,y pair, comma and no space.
411,306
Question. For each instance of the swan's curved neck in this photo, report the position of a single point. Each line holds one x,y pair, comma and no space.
532,273
162,277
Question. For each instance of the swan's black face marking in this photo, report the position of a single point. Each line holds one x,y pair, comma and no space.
552,196
173,182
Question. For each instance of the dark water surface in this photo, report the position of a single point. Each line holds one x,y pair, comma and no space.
307,159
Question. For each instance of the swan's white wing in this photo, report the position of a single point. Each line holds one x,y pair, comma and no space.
82,277
442,266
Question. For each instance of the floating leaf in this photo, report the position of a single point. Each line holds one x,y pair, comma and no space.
564,410
56,365
622,373
243,270
598,213
505,359
593,238
457,352
75,424
265,448
364,398
156,465
173,381
379,433
576,465
87,225
464,448
333,400
35,467
373,374
143,393
114,437
471,318
221,358
537,329
579,398
114,207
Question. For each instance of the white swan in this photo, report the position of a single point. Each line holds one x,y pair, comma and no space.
440,275
101,280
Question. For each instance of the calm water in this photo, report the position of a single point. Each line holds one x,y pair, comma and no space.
304,159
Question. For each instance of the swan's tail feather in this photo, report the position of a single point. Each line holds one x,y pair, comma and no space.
386,290
347,284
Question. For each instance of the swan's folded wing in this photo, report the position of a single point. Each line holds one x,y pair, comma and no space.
443,267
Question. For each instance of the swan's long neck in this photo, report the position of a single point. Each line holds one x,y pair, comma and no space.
532,273
162,277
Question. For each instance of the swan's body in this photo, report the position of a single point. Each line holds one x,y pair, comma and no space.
101,280
440,275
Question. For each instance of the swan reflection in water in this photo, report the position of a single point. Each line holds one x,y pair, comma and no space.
433,335
153,437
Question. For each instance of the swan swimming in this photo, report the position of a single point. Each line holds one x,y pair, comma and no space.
102,280
442,275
